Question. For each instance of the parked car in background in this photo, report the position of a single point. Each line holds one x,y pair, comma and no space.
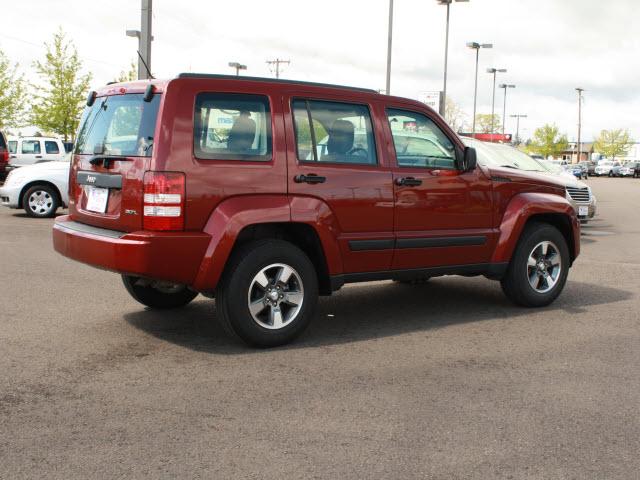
39,189
4,155
628,169
578,193
30,150
590,166
607,168
578,170
265,219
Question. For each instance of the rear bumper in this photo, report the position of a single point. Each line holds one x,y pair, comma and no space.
170,256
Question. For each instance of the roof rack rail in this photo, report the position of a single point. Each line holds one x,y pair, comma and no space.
272,80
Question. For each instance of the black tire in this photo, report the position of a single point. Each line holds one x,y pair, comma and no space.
237,286
515,283
40,201
154,297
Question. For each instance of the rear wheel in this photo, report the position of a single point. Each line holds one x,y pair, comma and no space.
268,293
40,201
538,269
158,294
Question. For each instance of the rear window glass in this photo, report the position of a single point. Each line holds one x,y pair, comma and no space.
13,146
118,125
31,147
232,127
2,143
51,147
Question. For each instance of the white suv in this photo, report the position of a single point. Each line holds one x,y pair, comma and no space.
30,150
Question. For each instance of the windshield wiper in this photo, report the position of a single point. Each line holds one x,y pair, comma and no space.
511,166
106,159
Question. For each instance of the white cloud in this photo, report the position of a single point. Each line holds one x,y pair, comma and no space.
548,46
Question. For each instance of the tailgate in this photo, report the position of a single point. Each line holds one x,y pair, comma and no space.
113,151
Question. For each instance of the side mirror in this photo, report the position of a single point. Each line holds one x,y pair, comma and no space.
470,159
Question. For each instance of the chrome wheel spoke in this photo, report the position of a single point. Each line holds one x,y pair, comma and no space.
531,262
293,298
262,280
275,317
554,259
284,274
257,306
544,266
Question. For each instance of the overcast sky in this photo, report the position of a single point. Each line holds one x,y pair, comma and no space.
548,46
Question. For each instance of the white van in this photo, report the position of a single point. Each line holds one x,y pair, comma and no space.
29,150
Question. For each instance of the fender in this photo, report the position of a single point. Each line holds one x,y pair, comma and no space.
520,209
232,215
224,225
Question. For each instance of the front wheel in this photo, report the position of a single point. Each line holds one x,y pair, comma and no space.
538,269
158,294
268,293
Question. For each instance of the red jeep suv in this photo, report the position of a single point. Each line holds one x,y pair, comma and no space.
267,193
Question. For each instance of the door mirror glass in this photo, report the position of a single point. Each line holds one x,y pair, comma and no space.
470,159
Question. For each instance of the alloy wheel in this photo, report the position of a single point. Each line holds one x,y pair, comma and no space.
544,266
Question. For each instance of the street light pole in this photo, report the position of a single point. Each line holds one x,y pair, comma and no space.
389,39
238,66
476,46
494,71
518,117
504,106
579,90
443,100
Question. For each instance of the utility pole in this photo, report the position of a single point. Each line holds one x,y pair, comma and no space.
144,37
277,63
390,37
518,117
579,90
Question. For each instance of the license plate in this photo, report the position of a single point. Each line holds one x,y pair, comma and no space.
583,211
97,198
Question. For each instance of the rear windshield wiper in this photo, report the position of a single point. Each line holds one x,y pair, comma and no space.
106,159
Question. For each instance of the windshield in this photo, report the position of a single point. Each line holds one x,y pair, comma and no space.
118,125
552,167
498,155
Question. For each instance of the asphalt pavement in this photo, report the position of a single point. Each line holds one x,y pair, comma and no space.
445,380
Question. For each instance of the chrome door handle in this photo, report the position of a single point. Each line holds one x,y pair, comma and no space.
408,182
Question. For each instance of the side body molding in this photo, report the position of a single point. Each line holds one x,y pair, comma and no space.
520,209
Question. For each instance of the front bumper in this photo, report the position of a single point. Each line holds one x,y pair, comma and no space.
10,196
170,256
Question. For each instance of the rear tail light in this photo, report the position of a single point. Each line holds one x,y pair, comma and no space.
163,207
4,156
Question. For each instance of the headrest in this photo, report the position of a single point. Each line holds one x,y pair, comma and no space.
242,133
341,137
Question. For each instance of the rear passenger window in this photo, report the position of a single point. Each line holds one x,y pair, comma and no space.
13,146
51,147
232,127
31,147
419,142
333,132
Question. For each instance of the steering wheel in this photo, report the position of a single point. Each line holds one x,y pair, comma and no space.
358,152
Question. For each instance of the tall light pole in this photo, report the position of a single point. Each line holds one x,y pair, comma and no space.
493,98
389,39
476,46
443,100
579,90
518,117
504,106
144,37
238,67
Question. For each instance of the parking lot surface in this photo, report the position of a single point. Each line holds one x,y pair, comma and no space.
443,380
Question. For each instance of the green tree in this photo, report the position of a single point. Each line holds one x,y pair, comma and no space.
483,123
12,94
59,100
129,75
547,141
613,143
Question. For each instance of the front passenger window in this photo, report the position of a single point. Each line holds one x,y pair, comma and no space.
419,142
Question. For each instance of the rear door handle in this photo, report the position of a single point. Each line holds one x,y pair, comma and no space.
38,156
408,182
311,178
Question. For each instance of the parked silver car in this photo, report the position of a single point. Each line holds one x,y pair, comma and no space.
578,193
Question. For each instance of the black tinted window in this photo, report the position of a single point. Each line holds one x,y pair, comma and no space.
51,147
232,127
333,132
3,144
119,125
